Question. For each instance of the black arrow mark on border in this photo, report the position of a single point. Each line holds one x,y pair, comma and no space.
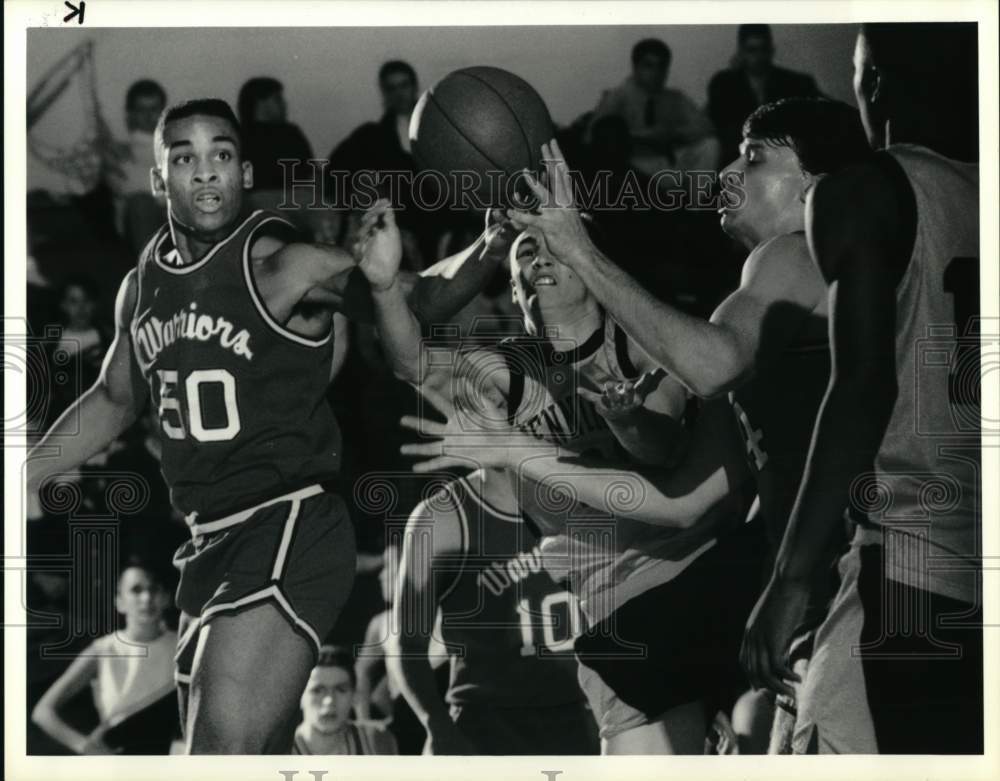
74,11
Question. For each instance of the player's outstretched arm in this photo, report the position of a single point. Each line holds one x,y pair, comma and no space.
709,357
104,411
854,223
433,540
712,473
646,416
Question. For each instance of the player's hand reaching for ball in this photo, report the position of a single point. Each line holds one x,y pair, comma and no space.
556,219
379,247
620,400
471,438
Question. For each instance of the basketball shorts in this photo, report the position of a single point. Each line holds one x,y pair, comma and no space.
561,730
676,643
894,669
296,552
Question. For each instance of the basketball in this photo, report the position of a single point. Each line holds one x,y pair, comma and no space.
480,127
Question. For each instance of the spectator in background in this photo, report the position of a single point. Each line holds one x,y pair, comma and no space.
327,701
82,342
668,130
267,134
137,212
131,673
385,146
754,80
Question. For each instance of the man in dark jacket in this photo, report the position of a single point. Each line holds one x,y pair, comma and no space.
754,80
383,147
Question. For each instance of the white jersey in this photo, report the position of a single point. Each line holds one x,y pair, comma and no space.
130,675
928,466
606,560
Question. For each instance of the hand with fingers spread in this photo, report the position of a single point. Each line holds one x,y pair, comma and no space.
379,247
557,219
479,438
619,400
769,632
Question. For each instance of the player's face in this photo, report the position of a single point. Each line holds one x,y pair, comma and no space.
327,700
78,308
201,174
141,599
552,283
772,197
865,81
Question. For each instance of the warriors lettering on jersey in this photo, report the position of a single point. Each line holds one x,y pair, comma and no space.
152,335
499,576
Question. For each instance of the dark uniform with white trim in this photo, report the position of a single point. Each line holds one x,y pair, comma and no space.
247,435
509,628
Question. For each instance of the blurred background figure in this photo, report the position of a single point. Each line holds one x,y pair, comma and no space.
384,145
267,138
752,81
137,212
327,704
131,674
667,129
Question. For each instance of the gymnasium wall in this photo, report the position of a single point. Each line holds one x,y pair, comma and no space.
330,73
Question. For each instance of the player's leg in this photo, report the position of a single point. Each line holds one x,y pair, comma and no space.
241,701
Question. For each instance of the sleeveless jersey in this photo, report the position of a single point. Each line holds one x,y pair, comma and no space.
928,465
607,560
241,400
776,411
512,625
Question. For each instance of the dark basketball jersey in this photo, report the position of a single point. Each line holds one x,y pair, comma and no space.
776,411
606,559
241,400
512,626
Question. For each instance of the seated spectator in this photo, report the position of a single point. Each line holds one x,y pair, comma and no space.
137,212
667,129
268,136
753,80
327,702
131,673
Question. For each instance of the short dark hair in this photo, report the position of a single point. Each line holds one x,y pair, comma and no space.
923,49
396,66
137,562
826,135
748,31
208,107
144,88
337,656
254,90
651,47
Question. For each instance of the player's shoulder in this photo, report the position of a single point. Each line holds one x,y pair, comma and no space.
269,232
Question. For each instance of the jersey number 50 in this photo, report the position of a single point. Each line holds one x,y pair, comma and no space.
176,422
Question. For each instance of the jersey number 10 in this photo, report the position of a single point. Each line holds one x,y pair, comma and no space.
177,422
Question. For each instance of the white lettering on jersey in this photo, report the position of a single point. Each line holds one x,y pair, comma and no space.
152,335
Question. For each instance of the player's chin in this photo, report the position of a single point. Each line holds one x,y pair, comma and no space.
210,220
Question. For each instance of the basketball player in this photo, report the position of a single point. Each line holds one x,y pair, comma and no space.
228,325
898,240
469,553
525,390
766,344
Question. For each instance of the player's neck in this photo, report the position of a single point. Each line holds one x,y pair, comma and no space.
190,246
572,321
143,633
322,742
